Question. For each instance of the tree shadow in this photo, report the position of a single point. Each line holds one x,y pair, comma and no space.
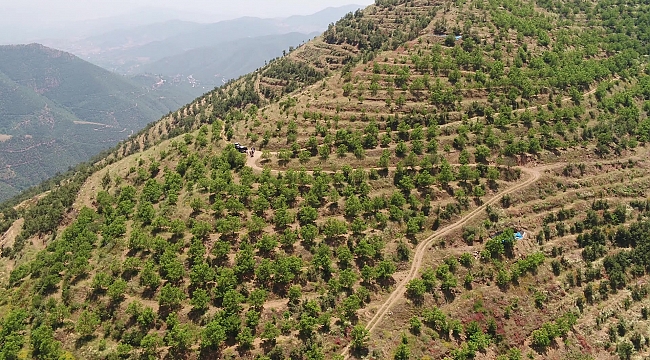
268,345
359,353
417,300
83,340
164,311
412,239
195,315
75,280
209,353
148,293
449,295
177,354
333,208
387,282
244,352
289,249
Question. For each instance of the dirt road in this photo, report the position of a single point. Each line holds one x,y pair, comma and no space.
251,161
423,247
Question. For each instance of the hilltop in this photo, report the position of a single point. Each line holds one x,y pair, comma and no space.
57,110
432,180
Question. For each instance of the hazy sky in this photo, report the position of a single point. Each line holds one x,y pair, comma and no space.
69,10
23,21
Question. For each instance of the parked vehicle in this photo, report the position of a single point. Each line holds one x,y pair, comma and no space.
240,148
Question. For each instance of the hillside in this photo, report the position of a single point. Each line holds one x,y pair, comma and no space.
432,180
57,110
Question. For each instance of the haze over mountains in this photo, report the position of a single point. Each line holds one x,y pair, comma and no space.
57,110
199,55
211,66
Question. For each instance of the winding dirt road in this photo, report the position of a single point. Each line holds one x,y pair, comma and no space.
533,175
398,293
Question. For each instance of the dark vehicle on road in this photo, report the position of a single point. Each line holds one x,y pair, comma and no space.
240,148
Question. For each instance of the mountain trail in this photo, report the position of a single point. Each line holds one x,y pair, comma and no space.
398,293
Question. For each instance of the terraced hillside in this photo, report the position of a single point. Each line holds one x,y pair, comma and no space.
397,156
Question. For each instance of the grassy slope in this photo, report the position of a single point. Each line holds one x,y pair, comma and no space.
593,174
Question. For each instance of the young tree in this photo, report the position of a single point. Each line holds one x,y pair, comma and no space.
201,274
257,297
344,256
482,153
171,296
200,300
171,267
294,294
150,343
213,335
403,352
178,337
360,337
245,338
232,301
446,173
384,270
43,343
267,243
252,318
307,215
149,276
333,229
147,318
270,333
352,206
415,289
117,290
540,338
87,324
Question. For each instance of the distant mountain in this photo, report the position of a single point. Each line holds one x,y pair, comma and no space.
127,51
212,66
57,110
204,36
320,20
53,32
141,35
